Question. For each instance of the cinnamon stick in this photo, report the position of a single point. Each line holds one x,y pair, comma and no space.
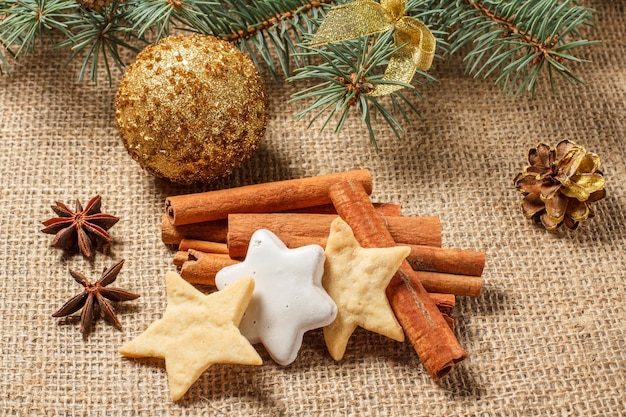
216,230
259,198
423,323
451,261
466,285
290,228
448,284
445,302
449,320
202,246
385,209
421,258
201,268
180,257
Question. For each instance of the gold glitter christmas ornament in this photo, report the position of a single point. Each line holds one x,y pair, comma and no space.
191,109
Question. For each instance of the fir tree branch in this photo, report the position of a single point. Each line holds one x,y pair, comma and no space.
99,35
514,40
278,17
162,15
27,22
348,72
518,39
260,26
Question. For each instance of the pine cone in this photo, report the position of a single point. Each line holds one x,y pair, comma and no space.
559,184
94,4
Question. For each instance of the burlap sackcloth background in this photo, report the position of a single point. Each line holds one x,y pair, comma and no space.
546,338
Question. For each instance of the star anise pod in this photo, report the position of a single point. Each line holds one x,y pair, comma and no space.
85,228
559,184
94,298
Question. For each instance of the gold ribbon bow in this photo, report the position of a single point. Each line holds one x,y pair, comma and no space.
365,17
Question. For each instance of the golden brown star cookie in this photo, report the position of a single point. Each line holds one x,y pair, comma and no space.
356,279
196,331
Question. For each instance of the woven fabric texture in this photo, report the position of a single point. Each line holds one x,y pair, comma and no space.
546,337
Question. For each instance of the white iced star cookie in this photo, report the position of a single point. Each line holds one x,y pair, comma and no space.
288,297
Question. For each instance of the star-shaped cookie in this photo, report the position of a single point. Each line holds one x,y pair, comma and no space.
196,331
356,278
288,297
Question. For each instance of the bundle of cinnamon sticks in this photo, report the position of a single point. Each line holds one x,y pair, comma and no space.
212,230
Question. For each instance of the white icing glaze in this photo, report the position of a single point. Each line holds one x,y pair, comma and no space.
288,297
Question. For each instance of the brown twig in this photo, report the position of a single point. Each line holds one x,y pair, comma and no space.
544,48
274,20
